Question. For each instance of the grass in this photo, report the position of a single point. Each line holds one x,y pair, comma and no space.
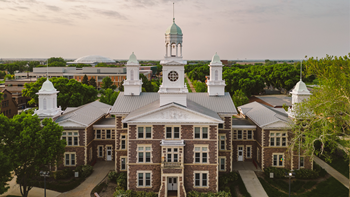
298,186
60,186
328,188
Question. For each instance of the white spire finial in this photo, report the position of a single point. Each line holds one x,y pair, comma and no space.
47,70
173,13
301,69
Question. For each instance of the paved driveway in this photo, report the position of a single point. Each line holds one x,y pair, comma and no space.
244,165
101,169
252,183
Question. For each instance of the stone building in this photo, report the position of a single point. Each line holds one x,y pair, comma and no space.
173,141
8,104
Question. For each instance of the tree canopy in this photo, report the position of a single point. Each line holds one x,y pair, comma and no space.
71,93
239,98
30,147
108,96
85,80
107,83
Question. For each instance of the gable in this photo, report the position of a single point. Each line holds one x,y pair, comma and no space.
173,114
69,123
277,125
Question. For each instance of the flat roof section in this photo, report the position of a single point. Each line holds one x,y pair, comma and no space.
242,123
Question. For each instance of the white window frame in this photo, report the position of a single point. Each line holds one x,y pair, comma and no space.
251,135
172,152
144,179
251,151
172,132
125,159
123,139
278,159
220,163
220,141
241,134
144,128
200,179
278,135
200,132
98,151
100,134
200,149
144,148
70,159
71,135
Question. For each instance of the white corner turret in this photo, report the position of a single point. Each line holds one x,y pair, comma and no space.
48,101
132,84
299,94
216,86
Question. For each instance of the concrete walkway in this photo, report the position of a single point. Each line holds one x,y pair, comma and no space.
252,183
244,165
34,192
101,169
334,173
190,83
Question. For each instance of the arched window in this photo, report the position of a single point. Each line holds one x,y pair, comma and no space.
53,103
44,103
216,75
132,75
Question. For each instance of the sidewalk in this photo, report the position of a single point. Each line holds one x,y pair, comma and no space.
341,178
190,83
34,192
252,183
101,169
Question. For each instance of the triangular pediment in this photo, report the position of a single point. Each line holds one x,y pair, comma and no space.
173,114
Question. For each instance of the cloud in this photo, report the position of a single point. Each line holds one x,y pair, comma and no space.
109,13
22,7
53,8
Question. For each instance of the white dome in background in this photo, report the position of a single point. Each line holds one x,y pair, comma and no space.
94,59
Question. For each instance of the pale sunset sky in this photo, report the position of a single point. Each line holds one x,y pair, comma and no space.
235,29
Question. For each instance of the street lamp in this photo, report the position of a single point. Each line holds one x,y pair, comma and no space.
290,175
45,174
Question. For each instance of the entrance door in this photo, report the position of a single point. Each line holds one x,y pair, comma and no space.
240,153
109,153
172,184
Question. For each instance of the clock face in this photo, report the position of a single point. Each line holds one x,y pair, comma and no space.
173,76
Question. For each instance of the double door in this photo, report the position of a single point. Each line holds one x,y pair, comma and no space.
172,183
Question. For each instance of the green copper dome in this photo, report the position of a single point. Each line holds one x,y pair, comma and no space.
215,59
174,29
133,59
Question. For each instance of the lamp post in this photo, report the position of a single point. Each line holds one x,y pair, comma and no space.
290,175
45,174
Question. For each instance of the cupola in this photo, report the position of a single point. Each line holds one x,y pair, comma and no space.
132,84
216,86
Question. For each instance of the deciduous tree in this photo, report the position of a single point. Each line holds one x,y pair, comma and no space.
109,96
85,80
239,98
107,83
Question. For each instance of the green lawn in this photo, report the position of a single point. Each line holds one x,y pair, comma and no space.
328,188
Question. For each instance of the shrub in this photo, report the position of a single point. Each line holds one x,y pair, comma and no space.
63,174
224,179
122,193
86,170
209,194
122,181
130,193
306,174
277,172
112,176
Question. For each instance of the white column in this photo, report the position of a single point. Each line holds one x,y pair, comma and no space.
176,50
180,50
166,50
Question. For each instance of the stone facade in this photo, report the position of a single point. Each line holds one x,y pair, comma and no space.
8,105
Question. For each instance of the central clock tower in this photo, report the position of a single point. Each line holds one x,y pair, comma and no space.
173,88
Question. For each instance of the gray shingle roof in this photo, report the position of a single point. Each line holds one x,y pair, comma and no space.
263,115
86,114
276,100
218,104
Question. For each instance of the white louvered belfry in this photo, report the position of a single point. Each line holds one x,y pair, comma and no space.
48,101
216,86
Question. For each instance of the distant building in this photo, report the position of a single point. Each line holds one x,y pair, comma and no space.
15,86
117,74
8,105
93,60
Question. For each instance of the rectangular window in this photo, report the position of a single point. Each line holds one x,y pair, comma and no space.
100,151
144,179
168,132
258,154
278,160
172,132
222,164
140,132
148,132
123,142
222,142
205,132
200,179
108,136
249,155
278,138
172,155
123,163
98,134
201,133
197,132
144,154
239,136
69,159
70,139
221,126
176,132
301,162
249,137
125,125
201,154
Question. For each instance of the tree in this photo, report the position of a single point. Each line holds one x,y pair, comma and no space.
92,82
79,65
85,80
239,98
56,59
325,117
71,93
200,86
108,83
5,165
31,148
109,96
